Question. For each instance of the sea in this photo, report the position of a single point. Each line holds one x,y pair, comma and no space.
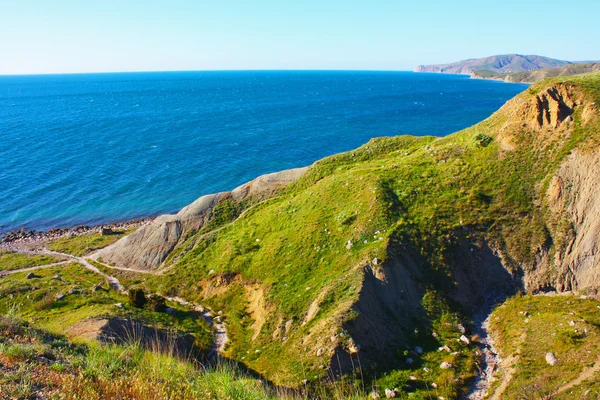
96,148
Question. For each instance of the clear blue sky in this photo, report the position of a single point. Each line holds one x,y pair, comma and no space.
47,36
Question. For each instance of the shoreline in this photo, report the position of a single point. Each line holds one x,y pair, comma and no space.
473,76
24,235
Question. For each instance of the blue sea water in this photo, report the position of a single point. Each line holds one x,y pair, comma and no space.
92,148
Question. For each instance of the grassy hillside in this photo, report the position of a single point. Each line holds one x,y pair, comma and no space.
538,75
366,271
527,328
36,364
292,273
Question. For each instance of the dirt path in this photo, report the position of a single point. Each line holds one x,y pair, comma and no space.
586,374
112,281
14,271
220,331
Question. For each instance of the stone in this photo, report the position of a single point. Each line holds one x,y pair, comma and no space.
376,261
320,352
446,365
97,288
119,305
58,277
375,395
59,297
461,328
31,275
551,359
106,231
391,394
572,323
465,340
354,348
74,291
349,244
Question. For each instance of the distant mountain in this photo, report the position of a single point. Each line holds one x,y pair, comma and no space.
538,75
508,63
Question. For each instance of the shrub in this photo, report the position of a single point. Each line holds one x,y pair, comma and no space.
157,303
137,298
482,140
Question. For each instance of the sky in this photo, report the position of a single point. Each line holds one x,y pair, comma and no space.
73,36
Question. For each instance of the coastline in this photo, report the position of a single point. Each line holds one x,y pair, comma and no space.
25,236
474,76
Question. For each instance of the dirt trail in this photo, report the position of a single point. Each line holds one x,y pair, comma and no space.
586,374
14,271
112,281
220,331
221,337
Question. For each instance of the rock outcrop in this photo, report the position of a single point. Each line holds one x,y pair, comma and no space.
574,207
149,246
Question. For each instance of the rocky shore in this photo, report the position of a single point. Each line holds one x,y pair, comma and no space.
24,235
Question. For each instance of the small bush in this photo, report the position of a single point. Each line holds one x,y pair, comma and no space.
483,140
137,298
157,303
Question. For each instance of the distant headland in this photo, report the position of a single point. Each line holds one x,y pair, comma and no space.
512,68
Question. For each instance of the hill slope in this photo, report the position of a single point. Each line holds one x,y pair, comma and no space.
371,263
403,235
507,63
538,75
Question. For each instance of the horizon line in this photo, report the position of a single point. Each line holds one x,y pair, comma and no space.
207,70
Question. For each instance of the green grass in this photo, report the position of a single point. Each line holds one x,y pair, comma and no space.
528,327
392,193
94,371
11,261
34,300
420,198
84,244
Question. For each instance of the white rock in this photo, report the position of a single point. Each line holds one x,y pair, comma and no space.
446,365
465,340
551,359
354,348
390,394
461,328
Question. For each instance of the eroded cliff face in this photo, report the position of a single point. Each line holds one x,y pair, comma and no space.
149,246
573,201
569,197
